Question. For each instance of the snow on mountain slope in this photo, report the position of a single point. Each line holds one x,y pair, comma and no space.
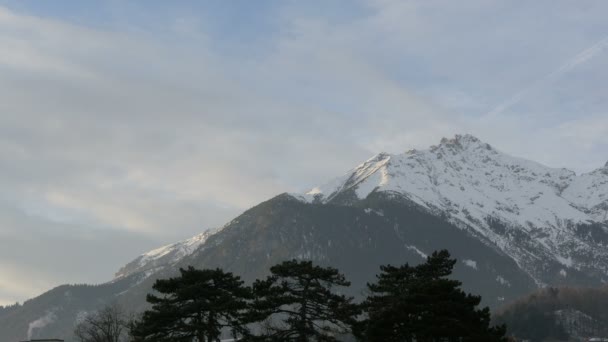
156,259
589,192
500,198
546,219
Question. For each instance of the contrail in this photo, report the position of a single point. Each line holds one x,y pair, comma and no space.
577,60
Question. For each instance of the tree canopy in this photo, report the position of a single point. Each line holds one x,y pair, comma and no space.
297,303
419,303
195,306
302,302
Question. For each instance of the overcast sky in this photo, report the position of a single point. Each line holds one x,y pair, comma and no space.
129,125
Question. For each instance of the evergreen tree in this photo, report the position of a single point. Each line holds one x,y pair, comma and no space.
421,304
296,303
195,306
535,325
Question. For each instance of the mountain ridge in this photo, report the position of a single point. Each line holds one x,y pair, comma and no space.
477,186
515,225
158,258
561,180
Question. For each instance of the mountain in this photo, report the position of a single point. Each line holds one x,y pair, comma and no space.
515,225
157,259
558,314
551,222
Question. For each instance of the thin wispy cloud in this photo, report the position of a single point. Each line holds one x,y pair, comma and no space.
581,58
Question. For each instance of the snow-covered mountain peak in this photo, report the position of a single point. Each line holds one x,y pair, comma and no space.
463,159
477,186
462,142
349,180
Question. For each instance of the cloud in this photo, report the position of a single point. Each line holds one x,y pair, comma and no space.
117,142
581,58
147,131
39,253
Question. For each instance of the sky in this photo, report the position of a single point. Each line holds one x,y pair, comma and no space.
127,125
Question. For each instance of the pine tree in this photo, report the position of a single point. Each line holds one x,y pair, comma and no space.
421,304
195,306
297,303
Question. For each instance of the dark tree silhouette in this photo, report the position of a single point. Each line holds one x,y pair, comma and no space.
557,314
109,324
419,303
296,303
195,306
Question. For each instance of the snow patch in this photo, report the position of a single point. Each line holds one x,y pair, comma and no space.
564,261
503,281
315,191
417,251
370,210
471,263
179,249
157,258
